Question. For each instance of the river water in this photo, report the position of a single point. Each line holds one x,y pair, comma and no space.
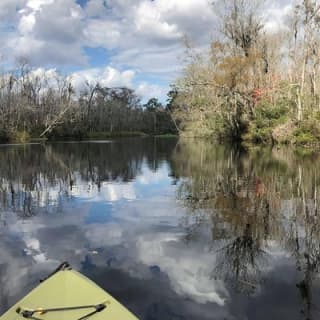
172,229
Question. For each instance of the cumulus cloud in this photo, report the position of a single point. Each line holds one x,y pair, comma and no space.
60,22
149,21
109,38
112,77
107,77
48,32
147,91
140,36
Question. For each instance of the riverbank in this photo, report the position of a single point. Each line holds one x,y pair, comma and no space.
24,137
268,127
302,135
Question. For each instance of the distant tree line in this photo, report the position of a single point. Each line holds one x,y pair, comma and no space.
40,105
255,84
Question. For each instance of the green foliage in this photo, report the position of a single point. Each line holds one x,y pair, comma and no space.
258,135
266,118
172,95
273,114
303,138
221,128
307,134
153,104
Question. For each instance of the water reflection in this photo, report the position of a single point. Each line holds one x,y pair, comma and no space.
260,206
174,230
39,178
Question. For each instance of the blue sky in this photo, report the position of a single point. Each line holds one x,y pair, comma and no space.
134,43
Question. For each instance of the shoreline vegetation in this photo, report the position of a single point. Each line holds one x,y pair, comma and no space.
23,138
254,85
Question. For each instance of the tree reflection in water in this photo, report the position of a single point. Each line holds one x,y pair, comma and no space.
240,262
255,203
38,179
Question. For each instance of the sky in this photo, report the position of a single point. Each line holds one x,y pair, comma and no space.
133,43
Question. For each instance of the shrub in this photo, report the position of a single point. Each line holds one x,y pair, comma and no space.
21,136
266,118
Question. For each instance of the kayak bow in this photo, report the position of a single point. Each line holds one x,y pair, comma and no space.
68,295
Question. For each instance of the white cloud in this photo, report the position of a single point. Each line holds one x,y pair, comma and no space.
111,77
26,23
48,33
149,21
108,77
59,21
147,91
152,60
8,8
109,38
36,4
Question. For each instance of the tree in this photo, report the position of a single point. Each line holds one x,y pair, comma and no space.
241,22
153,104
305,55
215,94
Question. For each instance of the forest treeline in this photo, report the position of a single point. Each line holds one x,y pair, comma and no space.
257,83
42,105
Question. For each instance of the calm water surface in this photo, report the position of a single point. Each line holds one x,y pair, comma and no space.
173,230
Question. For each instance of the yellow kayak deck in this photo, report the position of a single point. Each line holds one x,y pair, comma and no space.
70,296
